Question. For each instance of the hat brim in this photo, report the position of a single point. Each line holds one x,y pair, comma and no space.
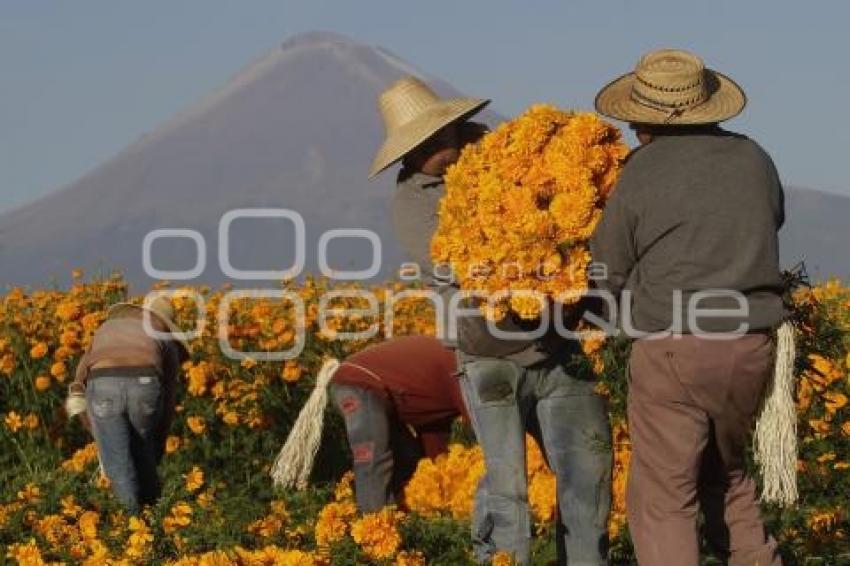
407,137
726,100
118,308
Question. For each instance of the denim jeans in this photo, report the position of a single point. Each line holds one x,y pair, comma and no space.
570,422
124,414
384,451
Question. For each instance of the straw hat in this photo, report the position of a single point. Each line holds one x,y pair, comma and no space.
160,308
671,86
412,113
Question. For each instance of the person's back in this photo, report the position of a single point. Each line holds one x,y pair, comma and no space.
423,393
128,378
709,205
696,210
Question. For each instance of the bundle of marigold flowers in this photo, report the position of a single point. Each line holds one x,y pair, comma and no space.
521,204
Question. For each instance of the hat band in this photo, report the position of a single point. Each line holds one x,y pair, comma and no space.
673,107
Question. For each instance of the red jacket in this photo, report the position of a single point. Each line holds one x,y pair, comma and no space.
416,375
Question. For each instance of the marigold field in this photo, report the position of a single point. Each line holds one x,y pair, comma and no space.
218,504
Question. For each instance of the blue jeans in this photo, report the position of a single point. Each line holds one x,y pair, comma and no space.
384,451
570,422
125,413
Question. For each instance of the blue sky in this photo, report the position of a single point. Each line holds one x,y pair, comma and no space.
81,79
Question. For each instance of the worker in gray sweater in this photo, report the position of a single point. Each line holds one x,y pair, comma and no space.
689,240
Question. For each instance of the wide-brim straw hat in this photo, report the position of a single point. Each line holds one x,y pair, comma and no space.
160,308
412,113
672,87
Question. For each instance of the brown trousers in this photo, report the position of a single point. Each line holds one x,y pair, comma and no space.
691,407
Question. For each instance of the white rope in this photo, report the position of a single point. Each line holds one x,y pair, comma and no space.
75,405
775,439
294,463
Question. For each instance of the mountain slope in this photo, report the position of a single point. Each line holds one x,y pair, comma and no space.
296,129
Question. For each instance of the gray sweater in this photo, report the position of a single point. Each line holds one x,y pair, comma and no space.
693,212
415,207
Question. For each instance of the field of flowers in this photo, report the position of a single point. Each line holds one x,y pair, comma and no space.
219,505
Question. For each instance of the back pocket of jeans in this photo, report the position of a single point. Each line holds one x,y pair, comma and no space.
103,408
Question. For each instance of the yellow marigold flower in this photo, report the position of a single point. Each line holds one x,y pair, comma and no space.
172,444
332,522
81,458
196,424
841,466
26,553
446,484
834,401
410,558
821,522
845,428
140,538
87,523
344,490
68,310
59,371
38,351
205,499
820,427
828,457
180,516
91,321
31,421
502,558
198,376
541,496
7,364
194,479
69,339
377,533
103,482
230,418
42,383
291,371
266,527
51,528
13,421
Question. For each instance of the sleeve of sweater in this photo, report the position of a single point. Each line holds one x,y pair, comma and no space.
778,196
81,374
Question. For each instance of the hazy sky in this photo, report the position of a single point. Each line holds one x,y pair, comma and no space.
80,79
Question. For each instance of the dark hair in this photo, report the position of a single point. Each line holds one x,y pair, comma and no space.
677,129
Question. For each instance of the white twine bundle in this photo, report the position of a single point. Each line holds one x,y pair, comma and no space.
75,405
295,460
775,439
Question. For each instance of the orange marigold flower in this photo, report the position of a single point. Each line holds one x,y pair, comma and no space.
291,371
59,371
172,444
13,421
332,522
42,383
196,424
377,533
38,351
31,421
194,479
